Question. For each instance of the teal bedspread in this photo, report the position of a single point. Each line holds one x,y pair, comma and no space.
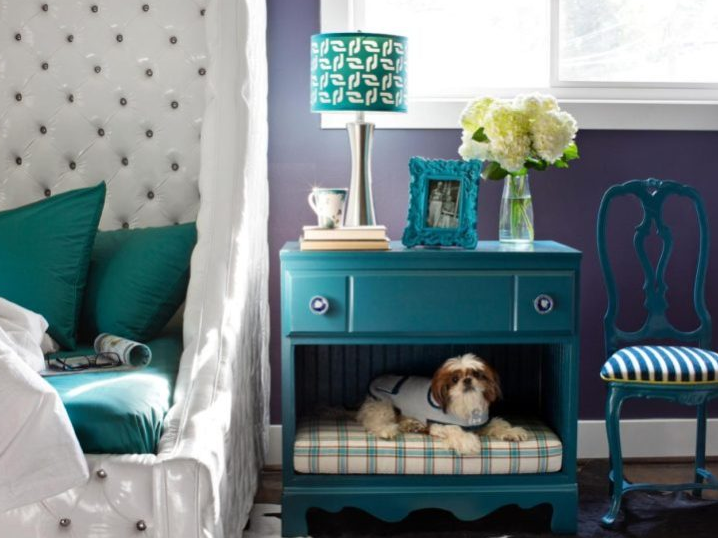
122,412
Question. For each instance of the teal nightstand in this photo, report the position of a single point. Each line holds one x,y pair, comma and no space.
350,316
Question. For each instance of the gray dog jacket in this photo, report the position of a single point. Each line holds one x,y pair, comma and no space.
411,395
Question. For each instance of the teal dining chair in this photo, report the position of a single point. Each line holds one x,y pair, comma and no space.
636,368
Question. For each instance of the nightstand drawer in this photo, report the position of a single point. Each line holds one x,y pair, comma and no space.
317,303
545,302
431,302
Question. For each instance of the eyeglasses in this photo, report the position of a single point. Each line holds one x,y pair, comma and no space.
106,359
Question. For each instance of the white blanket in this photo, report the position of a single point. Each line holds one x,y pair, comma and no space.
39,453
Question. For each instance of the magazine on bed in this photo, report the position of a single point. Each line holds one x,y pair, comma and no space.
111,354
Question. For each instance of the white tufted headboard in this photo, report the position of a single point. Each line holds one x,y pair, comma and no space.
111,90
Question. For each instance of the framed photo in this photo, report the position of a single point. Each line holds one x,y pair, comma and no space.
442,203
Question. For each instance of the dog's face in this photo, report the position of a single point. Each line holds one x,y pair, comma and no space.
465,384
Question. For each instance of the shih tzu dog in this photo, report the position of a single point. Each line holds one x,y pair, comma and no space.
452,406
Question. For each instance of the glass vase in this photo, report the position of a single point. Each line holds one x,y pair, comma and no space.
516,219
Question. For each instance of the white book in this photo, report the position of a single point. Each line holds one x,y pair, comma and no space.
349,244
346,233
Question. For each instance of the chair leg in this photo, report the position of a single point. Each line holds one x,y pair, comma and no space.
613,431
700,462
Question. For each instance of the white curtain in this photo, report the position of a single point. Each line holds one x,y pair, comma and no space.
226,321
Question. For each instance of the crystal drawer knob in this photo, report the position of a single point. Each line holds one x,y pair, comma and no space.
319,305
543,304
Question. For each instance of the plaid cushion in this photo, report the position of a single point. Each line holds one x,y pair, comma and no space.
331,446
662,364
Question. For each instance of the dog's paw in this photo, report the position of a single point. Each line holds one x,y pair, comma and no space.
516,433
388,431
411,425
465,444
500,429
455,438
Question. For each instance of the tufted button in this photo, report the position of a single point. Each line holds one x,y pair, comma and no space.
48,193
125,225
65,522
150,195
18,161
101,473
141,525
90,110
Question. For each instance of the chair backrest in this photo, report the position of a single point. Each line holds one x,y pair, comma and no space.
652,194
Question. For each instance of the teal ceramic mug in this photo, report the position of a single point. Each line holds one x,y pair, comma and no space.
328,204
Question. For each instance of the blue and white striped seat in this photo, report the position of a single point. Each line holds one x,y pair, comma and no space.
662,364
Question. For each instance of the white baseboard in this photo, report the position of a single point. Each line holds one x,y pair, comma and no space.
274,453
647,438
640,438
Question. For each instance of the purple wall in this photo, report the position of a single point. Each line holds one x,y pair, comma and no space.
565,202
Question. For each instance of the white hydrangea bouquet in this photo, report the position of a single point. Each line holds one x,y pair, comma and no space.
511,137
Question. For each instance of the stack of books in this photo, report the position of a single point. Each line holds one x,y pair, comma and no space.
346,238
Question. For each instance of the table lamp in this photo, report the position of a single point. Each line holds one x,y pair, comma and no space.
358,72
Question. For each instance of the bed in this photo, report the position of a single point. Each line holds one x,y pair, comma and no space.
132,92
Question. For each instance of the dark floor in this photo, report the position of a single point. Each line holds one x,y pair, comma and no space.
645,515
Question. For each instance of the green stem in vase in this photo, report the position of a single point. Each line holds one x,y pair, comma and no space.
520,211
519,202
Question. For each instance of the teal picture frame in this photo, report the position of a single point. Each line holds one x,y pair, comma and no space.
443,196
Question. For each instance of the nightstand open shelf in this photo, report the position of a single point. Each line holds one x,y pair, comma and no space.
404,312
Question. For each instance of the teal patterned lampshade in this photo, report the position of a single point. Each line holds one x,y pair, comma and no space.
358,72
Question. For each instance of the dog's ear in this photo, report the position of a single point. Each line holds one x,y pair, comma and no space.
440,388
492,391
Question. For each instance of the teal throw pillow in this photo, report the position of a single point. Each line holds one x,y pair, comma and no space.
44,255
138,279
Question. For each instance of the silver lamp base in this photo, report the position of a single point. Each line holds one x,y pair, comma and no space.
360,204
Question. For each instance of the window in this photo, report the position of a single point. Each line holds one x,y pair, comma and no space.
617,64
641,42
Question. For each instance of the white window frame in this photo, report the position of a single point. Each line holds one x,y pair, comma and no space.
596,105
